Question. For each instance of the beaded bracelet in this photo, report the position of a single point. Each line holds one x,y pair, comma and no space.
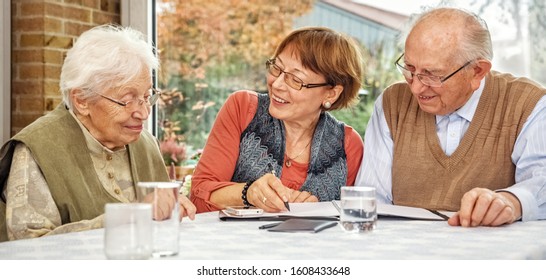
245,190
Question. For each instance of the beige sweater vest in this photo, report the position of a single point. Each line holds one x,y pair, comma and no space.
424,176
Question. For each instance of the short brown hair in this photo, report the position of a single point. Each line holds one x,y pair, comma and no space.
329,53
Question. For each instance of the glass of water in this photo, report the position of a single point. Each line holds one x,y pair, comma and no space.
163,198
358,209
128,231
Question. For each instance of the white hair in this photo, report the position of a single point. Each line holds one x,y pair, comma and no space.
476,40
104,57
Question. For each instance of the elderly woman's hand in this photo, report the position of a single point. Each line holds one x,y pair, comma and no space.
164,203
186,207
269,193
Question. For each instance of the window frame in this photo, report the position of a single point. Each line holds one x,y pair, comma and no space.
5,72
140,15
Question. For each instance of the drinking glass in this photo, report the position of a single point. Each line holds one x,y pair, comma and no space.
358,209
128,231
163,198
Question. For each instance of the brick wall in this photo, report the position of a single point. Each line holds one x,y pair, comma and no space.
42,31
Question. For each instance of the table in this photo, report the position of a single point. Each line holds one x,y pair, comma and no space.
208,238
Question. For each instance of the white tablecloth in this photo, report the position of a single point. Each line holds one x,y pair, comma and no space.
208,238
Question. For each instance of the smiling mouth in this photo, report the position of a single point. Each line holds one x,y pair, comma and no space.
426,97
280,100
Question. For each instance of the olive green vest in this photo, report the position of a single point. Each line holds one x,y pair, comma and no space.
424,176
59,148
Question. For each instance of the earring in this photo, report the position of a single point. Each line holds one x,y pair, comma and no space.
327,105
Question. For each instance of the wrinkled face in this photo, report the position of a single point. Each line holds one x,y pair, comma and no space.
289,104
114,125
432,54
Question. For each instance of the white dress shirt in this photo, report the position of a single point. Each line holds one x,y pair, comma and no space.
529,153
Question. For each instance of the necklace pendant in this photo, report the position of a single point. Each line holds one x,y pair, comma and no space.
288,163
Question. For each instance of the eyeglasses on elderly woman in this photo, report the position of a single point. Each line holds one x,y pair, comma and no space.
134,104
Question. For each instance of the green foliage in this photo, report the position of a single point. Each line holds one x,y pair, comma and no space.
380,73
213,48
210,49
357,117
195,111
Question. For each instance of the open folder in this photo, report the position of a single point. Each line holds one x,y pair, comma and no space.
329,210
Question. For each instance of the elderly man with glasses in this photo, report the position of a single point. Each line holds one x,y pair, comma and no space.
456,135
93,149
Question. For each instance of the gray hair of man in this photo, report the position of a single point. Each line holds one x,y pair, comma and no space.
104,57
476,42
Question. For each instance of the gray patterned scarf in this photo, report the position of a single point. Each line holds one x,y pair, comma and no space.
262,146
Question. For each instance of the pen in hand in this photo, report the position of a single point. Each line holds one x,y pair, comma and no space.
286,202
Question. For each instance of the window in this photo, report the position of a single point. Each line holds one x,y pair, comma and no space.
210,49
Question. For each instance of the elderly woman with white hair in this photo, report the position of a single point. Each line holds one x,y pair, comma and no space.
59,172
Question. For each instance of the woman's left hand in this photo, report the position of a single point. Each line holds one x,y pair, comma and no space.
304,196
186,207
162,202
164,205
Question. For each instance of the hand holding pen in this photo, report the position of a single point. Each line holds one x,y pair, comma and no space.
297,196
286,204
269,193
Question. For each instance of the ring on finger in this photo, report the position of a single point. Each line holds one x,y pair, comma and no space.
264,200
